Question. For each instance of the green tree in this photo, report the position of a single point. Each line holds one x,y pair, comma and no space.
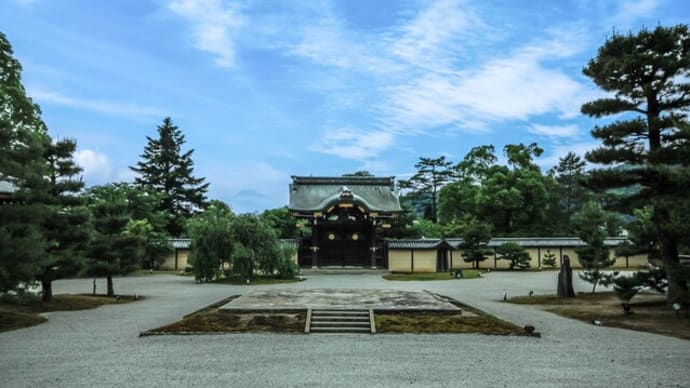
475,237
282,222
165,168
571,192
514,200
549,259
212,242
112,251
23,137
592,225
647,76
66,225
259,239
148,222
432,174
515,253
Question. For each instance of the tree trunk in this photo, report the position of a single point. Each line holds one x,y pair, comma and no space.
565,279
94,286
677,284
110,285
47,290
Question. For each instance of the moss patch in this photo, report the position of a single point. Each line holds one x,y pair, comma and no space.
650,312
17,316
409,322
215,321
425,276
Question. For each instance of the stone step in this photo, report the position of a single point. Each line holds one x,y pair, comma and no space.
341,312
340,329
338,318
339,321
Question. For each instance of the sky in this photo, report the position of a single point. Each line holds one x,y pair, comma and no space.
267,89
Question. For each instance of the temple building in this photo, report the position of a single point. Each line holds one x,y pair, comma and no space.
344,214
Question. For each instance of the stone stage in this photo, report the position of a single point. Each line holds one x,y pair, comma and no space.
336,299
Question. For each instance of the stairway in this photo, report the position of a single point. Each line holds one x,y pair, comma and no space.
340,321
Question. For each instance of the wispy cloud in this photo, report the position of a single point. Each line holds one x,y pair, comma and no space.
434,37
354,144
631,10
570,130
214,26
42,96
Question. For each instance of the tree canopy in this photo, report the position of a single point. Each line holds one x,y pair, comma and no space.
647,77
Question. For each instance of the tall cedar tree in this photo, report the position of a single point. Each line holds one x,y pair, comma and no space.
431,176
647,74
168,170
66,227
23,136
112,251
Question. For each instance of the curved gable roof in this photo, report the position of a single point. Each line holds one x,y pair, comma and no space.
314,194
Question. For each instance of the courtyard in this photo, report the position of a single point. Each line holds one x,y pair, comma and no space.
102,347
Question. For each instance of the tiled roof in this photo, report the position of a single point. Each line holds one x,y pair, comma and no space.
314,194
543,242
430,243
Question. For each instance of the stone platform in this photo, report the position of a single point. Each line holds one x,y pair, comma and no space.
345,299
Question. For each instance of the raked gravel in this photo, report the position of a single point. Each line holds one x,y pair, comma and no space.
102,347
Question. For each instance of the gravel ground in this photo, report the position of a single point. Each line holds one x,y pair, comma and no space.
101,347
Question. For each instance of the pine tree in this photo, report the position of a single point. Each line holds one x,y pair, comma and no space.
515,253
65,227
166,169
475,237
647,76
23,137
549,259
432,175
112,250
591,225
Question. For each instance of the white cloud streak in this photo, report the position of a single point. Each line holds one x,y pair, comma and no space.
42,96
214,25
570,130
349,143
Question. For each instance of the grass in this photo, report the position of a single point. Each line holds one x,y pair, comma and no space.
236,280
650,312
17,316
424,276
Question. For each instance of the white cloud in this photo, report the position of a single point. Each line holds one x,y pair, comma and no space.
436,34
214,24
512,88
96,166
354,144
42,96
570,130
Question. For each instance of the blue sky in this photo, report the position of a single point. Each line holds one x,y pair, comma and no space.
268,89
